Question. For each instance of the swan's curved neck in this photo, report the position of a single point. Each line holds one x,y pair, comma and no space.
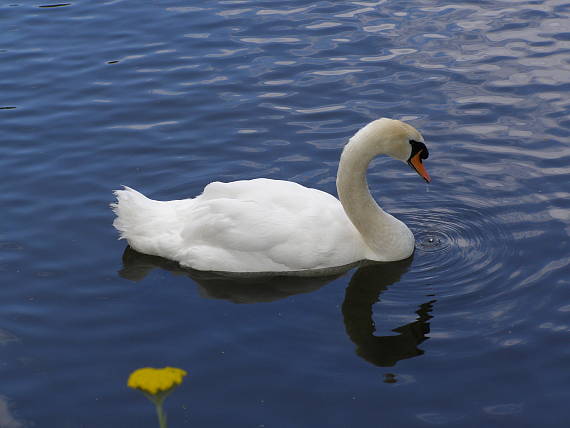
387,237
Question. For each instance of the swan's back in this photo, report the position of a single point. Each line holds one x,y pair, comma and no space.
259,225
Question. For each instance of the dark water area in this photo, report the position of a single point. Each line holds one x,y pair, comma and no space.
165,97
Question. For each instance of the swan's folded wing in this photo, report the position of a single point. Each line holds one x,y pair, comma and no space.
264,225
230,234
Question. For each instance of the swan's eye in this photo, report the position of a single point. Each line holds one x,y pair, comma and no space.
420,147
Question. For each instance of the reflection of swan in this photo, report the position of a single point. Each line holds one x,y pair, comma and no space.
362,293
267,225
365,287
235,288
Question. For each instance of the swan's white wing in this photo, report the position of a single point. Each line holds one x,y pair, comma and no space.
265,225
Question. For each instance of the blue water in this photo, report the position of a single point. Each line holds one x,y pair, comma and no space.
473,331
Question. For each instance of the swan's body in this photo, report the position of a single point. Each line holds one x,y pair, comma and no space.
265,225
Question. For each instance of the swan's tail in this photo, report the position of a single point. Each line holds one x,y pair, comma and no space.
140,220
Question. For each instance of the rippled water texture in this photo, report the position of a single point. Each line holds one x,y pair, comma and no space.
473,331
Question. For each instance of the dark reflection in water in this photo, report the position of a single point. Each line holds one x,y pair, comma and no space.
55,5
363,292
236,289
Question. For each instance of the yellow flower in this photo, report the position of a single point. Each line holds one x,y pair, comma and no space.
153,381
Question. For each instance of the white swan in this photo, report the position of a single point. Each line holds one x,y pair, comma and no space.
265,225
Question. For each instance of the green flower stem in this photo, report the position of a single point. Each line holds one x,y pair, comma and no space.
158,400
160,413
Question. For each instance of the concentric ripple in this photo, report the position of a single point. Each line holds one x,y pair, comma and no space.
432,241
459,249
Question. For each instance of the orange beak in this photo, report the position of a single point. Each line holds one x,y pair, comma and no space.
416,163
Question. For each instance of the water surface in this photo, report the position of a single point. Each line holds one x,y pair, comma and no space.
167,96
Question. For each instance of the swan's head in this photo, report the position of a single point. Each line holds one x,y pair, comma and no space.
398,140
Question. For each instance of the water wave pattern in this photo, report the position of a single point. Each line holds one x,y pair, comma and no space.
168,96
